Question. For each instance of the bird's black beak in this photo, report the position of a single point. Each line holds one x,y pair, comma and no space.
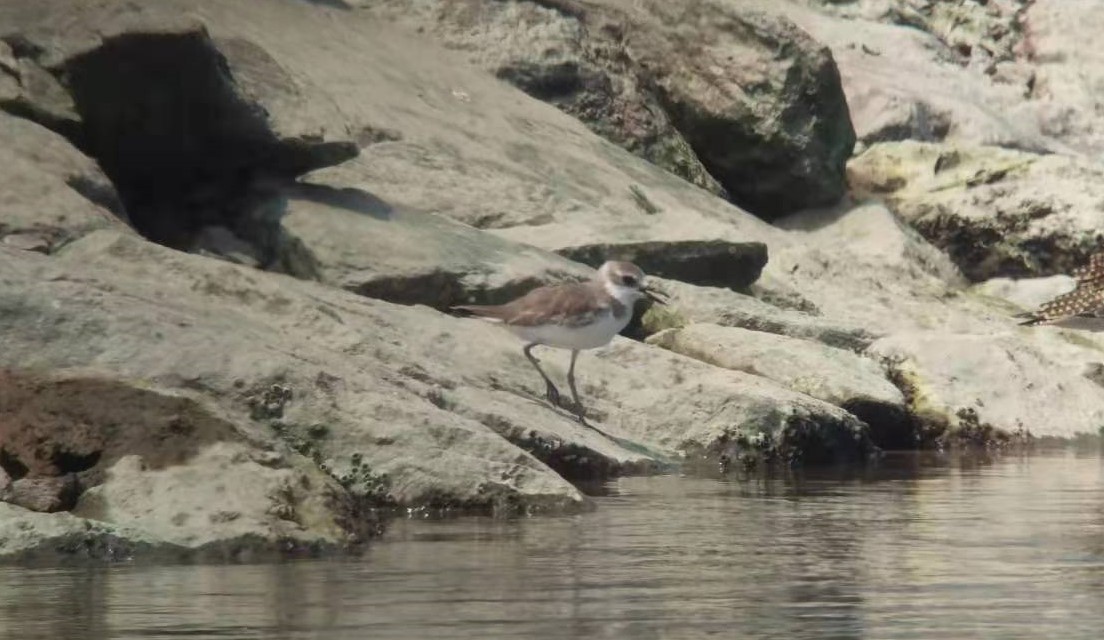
657,297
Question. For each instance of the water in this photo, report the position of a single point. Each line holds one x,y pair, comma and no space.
964,549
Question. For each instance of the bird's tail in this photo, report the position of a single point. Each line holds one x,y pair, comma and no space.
486,311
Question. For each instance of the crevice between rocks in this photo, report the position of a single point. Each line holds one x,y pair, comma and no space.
185,147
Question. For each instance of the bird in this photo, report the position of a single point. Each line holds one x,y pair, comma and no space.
574,316
1086,301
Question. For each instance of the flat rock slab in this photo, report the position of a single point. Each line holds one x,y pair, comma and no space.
690,304
717,263
352,240
843,378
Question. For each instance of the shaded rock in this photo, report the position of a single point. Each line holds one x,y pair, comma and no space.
995,212
988,388
840,377
787,92
735,265
349,239
219,242
50,193
180,121
743,93
696,304
45,495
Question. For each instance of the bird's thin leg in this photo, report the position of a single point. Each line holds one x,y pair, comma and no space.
551,391
580,412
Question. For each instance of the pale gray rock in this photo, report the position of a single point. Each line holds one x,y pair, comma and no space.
692,87
1061,43
29,536
46,495
1027,294
697,304
1020,382
843,378
349,239
930,71
50,193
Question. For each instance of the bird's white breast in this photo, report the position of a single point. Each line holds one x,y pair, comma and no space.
589,336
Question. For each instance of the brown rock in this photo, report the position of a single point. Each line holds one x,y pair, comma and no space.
45,495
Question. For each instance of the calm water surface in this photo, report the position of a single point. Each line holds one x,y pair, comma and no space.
940,549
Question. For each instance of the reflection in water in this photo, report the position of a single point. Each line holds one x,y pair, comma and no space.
1012,548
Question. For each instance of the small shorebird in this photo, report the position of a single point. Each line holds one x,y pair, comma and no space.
574,316
1082,308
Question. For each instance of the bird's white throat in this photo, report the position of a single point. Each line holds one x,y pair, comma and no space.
625,295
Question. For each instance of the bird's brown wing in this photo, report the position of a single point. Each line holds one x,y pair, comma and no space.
572,305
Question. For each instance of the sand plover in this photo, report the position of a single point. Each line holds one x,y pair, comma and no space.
575,316
1082,308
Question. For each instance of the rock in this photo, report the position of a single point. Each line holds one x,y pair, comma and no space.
735,265
219,242
417,418
862,266
218,113
696,304
349,239
218,495
991,387
1060,43
45,495
52,193
1027,294
743,93
706,78
727,418
840,377
930,71
566,54
996,212
30,537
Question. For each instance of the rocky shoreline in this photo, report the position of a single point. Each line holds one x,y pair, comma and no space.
230,234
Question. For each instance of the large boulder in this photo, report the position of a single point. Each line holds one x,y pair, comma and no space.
995,212
303,391
931,71
741,92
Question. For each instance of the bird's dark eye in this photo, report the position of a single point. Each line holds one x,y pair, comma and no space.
630,281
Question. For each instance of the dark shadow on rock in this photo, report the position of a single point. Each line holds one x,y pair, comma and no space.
891,427
348,198
180,140
715,263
